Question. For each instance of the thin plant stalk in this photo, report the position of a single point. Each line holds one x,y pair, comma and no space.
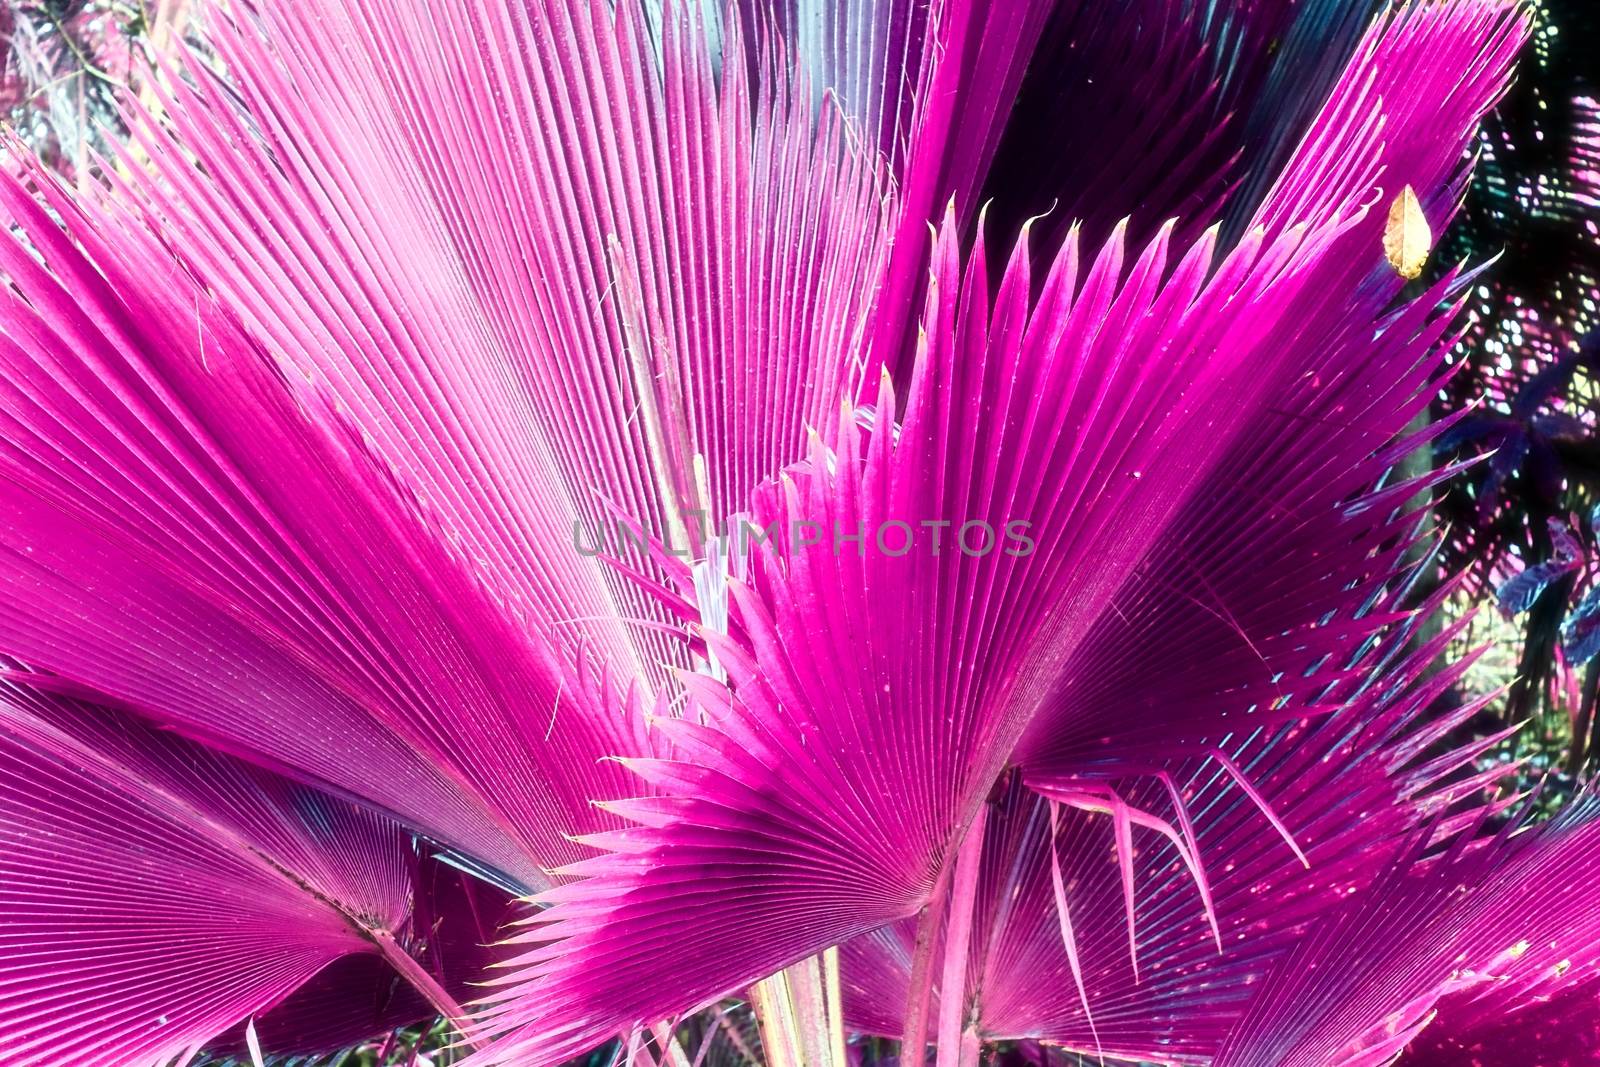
958,942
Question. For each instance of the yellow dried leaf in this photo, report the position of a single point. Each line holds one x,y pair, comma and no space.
1407,240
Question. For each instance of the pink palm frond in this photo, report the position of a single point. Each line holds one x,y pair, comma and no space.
1020,606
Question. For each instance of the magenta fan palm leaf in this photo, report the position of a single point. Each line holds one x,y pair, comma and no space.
158,469
1469,949
876,698
520,447
155,893
1049,962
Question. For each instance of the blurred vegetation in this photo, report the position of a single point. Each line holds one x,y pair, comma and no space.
1519,525
67,65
